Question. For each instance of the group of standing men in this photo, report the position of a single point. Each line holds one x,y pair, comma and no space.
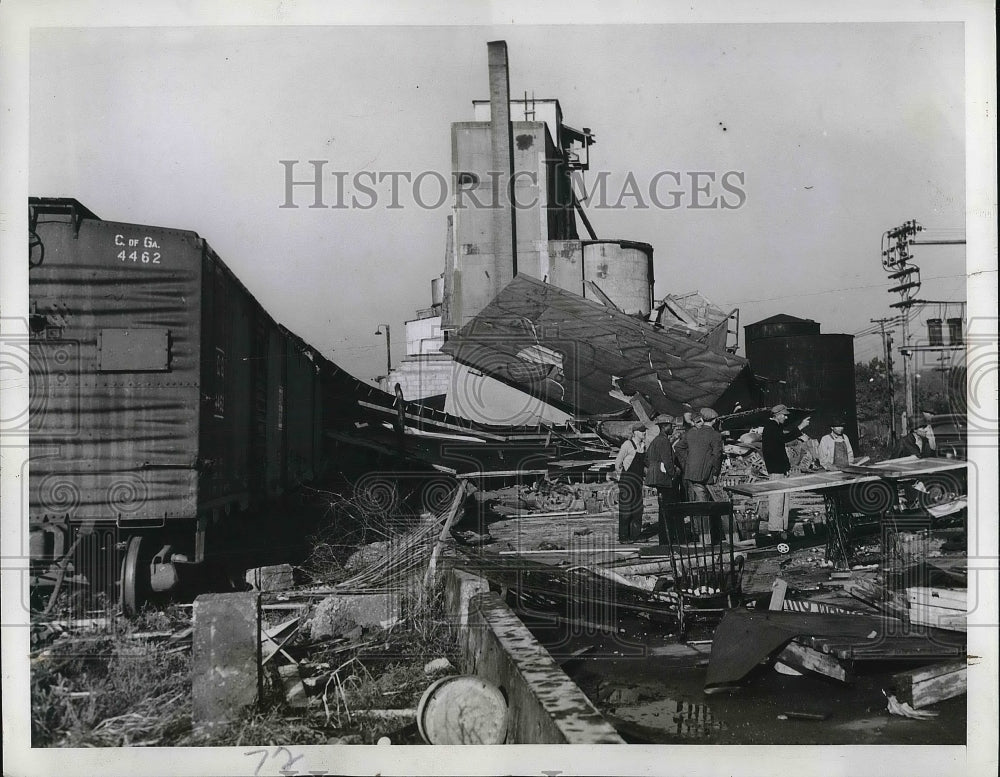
685,458
680,462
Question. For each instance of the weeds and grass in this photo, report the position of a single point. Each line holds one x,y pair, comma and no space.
108,688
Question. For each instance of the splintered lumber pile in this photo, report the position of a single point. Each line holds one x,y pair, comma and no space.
803,658
931,684
879,596
943,608
411,554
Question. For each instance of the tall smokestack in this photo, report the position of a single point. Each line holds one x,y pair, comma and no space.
502,145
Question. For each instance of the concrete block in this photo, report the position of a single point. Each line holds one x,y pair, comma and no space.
340,613
225,656
459,588
273,578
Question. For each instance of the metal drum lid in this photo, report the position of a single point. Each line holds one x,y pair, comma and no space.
463,710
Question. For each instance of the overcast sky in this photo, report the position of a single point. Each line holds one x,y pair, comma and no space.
839,131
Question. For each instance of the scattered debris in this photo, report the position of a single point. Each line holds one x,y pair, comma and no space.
295,692
803,716
905,710
437,666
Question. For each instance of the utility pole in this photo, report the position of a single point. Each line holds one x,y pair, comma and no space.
895,259
897,262
889,382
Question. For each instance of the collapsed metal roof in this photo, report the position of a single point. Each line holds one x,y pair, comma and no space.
604,355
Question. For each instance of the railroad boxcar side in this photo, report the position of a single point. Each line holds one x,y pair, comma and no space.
167,407
114,360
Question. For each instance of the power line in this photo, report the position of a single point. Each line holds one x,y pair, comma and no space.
846,288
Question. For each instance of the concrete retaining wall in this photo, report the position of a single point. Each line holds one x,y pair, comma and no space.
545,706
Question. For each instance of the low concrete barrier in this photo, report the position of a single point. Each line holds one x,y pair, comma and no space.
546,707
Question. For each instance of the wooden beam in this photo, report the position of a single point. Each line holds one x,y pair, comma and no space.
459,500
931,684
778,589
671,304
506,473
806,659
601,296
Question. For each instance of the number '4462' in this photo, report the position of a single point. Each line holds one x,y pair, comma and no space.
145,257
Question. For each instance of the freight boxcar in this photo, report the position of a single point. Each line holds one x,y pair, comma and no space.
166,404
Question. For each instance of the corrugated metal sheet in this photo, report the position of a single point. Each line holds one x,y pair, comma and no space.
602,350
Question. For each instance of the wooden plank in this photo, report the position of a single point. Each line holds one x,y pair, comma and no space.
778,589
806,659
949,598
818,481
931,684
939,617
453,511
604,298
909,467
504,473
559,514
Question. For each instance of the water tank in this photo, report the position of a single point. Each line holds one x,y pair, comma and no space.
623,270
955,331
934,334
809,371
781,325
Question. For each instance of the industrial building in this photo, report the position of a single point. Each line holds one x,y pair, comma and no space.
524,149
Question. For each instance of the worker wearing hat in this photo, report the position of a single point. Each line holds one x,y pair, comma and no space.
835,451
662,474
915,442
630,469
776,460
701,455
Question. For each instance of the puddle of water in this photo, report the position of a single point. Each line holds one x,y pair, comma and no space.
646,706
683,719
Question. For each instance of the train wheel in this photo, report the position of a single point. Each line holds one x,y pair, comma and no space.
133,584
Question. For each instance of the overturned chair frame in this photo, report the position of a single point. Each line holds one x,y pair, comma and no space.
706,576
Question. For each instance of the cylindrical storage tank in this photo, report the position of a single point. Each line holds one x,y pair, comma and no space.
955,331
934,332
809,371
437,290
623,270
780,326
565,265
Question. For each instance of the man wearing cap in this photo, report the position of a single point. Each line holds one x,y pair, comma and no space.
776,461
835,451
661,474
630,468
914,443
700,454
